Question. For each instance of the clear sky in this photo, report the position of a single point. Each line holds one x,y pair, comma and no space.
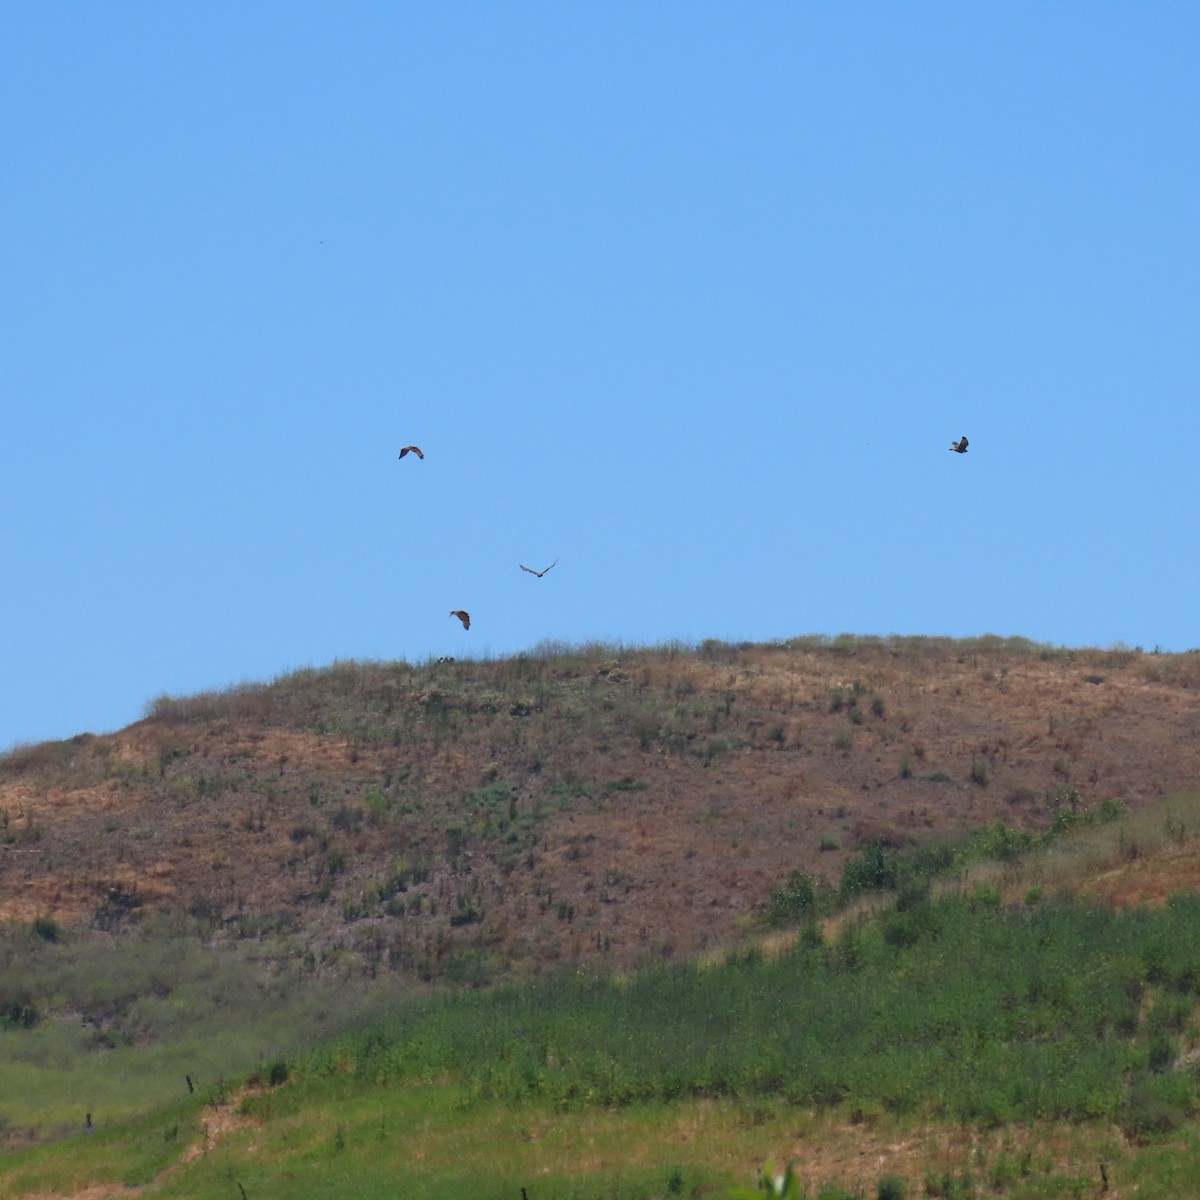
692,297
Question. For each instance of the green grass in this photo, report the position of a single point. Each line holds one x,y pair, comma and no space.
948,1007
117,1042
942,1013
345,1135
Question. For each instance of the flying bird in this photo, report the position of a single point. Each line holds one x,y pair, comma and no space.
539,574
415,449
960,447
464,617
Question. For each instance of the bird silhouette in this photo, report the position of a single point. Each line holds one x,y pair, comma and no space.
960,447
415,449
539,574
463,616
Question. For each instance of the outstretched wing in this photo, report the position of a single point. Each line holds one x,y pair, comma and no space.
415,449
539,574
463,616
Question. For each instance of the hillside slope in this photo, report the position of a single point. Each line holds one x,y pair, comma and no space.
448,819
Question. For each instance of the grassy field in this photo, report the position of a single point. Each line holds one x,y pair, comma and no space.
324,1139
938,1040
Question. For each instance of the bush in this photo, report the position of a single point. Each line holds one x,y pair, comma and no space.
1001,842
792,902
47,928
15,1015
876,869
1151,1112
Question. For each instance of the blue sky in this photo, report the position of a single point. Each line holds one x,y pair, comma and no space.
692,297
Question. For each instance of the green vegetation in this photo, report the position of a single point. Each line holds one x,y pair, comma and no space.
948,1007
992,1018
75,1035
881,868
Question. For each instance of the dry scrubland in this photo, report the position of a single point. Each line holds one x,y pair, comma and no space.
240,876
575,804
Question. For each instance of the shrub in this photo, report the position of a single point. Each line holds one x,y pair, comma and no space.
876,869
1150,1112
16,1015
1001,842
904,929
1161,1054
625,784
47,928
795,900
986,895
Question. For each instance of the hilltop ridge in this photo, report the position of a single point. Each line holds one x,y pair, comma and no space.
572,803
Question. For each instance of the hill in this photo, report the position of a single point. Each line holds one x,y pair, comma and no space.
460,819
243,875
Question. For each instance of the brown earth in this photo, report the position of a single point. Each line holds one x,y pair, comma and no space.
591,804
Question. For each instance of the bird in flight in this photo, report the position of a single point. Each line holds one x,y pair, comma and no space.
463,616
539,574
960,447
415,449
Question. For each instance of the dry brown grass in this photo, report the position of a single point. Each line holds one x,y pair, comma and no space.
297,796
